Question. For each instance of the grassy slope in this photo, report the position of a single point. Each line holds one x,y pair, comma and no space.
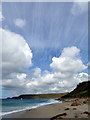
49,96
82,90
40,96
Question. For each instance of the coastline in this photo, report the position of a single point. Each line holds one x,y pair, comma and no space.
69,108
52,101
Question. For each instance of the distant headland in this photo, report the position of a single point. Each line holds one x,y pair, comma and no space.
39,96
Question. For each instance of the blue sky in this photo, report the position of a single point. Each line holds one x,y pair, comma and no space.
48,28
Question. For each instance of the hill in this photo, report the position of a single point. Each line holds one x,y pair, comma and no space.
39,96
82,90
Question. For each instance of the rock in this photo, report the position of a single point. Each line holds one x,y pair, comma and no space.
86,112
85,102
76,99
75,104
67,109
58,116
63,114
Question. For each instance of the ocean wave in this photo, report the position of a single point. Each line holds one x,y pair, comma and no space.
51,101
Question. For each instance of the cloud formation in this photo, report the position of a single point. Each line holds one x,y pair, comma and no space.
1,16
47,33
20,22
68,61
16,54
64,77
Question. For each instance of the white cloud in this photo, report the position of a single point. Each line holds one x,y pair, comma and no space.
81,77
32,84
19,22
68,61
61,80
70,52
21,76
37,72
60,75
79,7
48,78
54,89
1,16
16,54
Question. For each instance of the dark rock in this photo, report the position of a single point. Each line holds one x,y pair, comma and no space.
58,116
86,112
67,109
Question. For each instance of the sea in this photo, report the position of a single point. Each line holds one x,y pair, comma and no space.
15,105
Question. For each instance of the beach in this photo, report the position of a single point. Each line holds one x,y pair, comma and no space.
69,108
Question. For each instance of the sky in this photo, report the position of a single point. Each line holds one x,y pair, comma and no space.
44,47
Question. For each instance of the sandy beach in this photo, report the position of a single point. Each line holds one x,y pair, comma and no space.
70,108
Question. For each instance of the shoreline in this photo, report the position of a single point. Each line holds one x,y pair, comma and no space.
69,108
29,108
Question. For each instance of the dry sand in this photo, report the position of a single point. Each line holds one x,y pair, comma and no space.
70,108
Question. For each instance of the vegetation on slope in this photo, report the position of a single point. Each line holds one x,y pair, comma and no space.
82,90
40,96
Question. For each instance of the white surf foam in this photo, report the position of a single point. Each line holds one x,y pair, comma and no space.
51,101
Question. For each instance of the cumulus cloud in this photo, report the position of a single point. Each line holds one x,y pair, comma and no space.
68,61
19,22
81,77
15,83
79,7
64,77
37,72
16,54
21,76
